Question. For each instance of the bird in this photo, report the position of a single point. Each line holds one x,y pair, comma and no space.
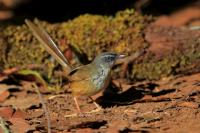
85,80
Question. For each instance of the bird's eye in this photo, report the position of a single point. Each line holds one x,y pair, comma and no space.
109,58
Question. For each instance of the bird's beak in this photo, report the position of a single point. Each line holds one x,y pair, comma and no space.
121,56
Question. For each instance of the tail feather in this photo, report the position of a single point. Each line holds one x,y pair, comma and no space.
49,44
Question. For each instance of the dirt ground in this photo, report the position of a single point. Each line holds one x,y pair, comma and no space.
169,105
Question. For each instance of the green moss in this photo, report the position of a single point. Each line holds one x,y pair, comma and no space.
92,34
88,34
3,48
183,60
155,70
23,49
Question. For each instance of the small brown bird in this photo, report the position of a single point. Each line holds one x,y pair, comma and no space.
86,80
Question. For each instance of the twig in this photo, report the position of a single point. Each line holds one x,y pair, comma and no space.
44,108
194,27
18,68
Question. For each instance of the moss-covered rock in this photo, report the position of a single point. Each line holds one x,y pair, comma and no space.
92,34
87,35
169,50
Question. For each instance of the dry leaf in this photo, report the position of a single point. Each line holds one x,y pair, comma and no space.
19,125
6,112
4,95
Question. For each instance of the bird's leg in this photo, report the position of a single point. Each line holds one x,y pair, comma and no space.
97,105
78,108
77,105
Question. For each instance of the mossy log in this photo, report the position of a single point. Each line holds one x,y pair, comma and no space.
169,50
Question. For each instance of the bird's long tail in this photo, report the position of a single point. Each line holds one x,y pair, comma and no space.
49,44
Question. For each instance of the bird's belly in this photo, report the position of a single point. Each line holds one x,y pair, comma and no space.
91,86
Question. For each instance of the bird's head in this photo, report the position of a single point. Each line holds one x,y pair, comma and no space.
107,58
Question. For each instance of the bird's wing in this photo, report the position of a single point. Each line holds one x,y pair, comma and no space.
49,44
82,73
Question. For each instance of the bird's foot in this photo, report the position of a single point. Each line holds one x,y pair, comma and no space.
84,114
71,115
95,110
55,96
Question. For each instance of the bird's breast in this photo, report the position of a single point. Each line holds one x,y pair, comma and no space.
101,78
